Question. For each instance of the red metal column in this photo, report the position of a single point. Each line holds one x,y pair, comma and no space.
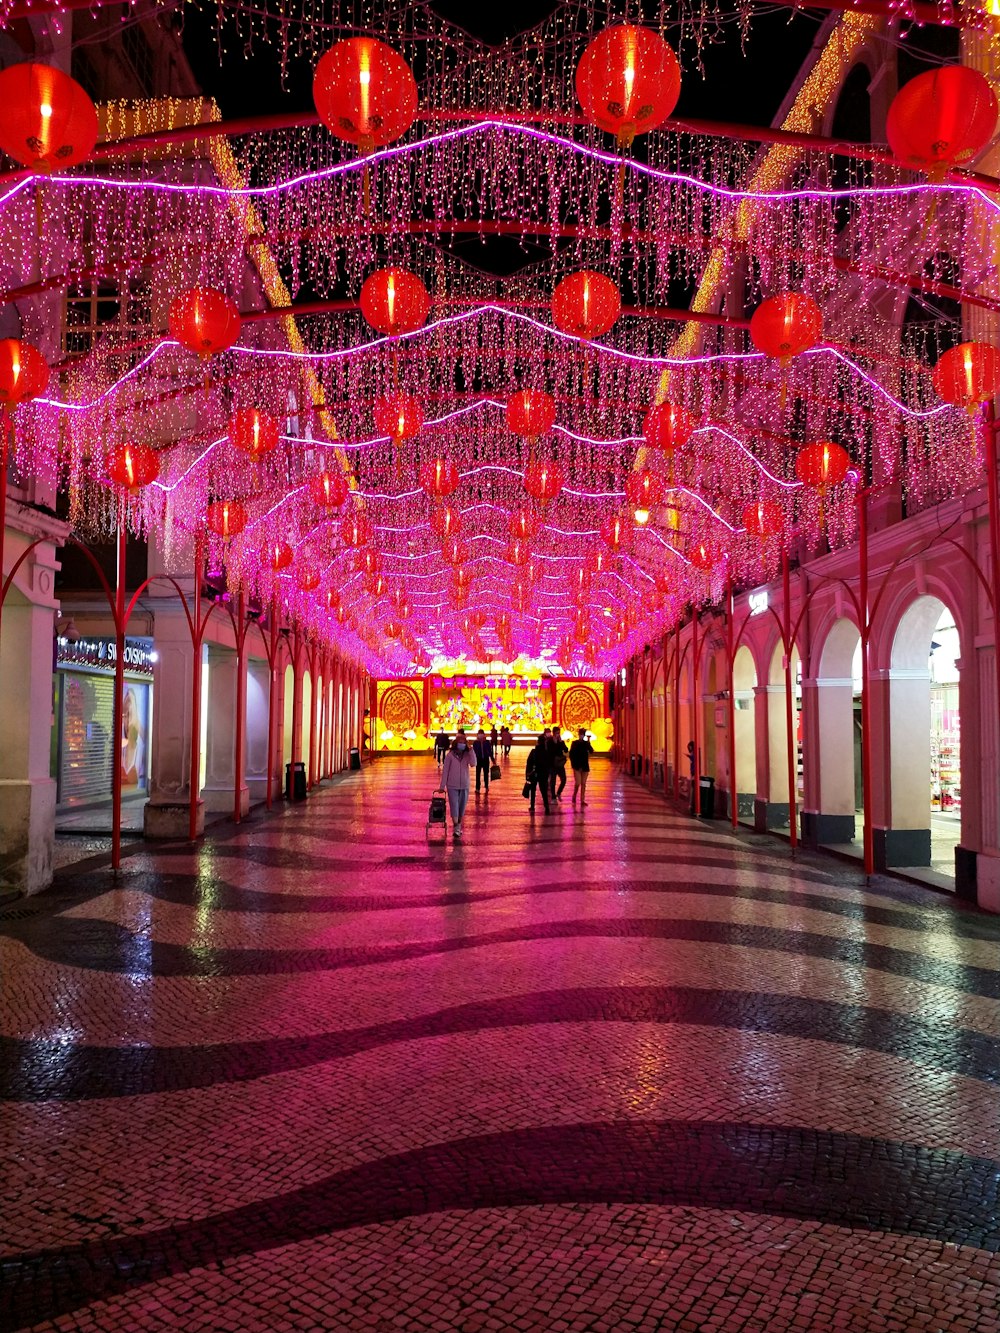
992,481
786,634
241,704
5,429
664,658
866,707
272,690
677,712
119,701
730,656
196,696
695,709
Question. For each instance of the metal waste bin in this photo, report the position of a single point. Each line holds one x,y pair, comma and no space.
631,765
295,782
706,797
355,759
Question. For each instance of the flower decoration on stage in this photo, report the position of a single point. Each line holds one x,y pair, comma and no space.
399,415
618,533
942,118
47,120
644,491
356,530
446,521
628,81
586,304
544,481
328,489
308,578
668,427
226,518
439,478
132,466
968,375
764,519
24,373
253,432
279,556
204,320
822,465
786,325
394,301
530,413
365,92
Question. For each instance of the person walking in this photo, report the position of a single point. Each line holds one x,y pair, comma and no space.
537,772
560,752
494,740
579,760
455,779
506,740
484,752
441,743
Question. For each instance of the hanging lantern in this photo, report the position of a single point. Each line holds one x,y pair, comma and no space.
764,519
586,304
333,599
394,301
309,579
597,561
398,599
523,524
518,552
132,465
365,92
580,581
543,481
204,321
368,561
446,521
24,373
643,490
786,325
342,614
503,625
254,432
356,530
376,585
399,415
226,518
618,533
439,478
628,81
329,490
968,375
941,119
461,579
668,427
454,551
47,121
280,556
530,413
582,627
393,629
822,465
703,555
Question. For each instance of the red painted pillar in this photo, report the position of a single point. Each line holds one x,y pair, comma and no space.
866,717
195,776
119,701
786,633
241,704
272,691
730,655
695,710
677,712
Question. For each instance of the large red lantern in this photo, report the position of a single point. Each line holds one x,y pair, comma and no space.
454,551
586,304
356,530
439,478
309,579
226,518
254,432
668,427
822,464
941,119
628,81
703,555
764,519
618,533
643,490
333,599
544,481
204,320
132,465
279,556
394,301
47,121
523,524
597,561
461,579
581,581
368,561
329,490
399,415
24,373
376,585
968,375
518,552
393,629
446,521
365,92
530,413
786,325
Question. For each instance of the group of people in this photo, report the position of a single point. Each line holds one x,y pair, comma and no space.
545,770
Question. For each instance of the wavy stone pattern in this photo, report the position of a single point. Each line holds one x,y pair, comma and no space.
607,1069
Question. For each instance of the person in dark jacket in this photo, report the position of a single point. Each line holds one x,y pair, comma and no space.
579,760
560,752
538,770
482,748
442,744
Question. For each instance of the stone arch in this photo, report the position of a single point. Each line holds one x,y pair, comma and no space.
773,797
744,713
835,774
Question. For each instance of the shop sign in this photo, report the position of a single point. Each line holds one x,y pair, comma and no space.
758,602
486,682
101,654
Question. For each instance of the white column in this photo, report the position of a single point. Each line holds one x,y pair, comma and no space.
220,733
255,747
167,812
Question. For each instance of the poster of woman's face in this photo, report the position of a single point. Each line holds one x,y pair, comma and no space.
133,737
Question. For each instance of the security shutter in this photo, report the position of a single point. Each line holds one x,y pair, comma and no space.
87,738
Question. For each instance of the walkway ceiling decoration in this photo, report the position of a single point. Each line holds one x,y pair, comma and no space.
548,464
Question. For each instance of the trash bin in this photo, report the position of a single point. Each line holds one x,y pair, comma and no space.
355,759
706,797
295,782
631,765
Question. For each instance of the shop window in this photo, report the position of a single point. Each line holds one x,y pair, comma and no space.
100,309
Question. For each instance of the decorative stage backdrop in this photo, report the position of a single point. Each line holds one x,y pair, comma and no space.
409,712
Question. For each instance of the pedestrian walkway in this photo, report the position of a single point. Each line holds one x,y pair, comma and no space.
600,1070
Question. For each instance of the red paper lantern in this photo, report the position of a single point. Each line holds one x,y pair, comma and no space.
618,533
333,599
132,465
586,304
763,519
523,524
668,427
643,489
580,581
280,556
342,615
518,552
581,627
356,530
461,579
941,119
394,301
253,431
226,518
968,375
47,121
365,92
393,629
446,521
399,416
24,373
368,561
439,478
544,481
597,561
309,579
530,413
204,320
376,585
822,464
329,490
454,551
703,555
628,81
786,325
398,598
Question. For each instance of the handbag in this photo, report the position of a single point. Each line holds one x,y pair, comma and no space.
496,773
526,791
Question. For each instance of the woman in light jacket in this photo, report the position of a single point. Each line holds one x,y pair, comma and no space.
455,779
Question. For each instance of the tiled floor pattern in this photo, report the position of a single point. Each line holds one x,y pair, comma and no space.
609,1069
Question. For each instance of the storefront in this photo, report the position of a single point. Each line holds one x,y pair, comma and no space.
85,748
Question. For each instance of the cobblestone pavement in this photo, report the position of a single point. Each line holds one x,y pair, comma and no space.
607,1069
